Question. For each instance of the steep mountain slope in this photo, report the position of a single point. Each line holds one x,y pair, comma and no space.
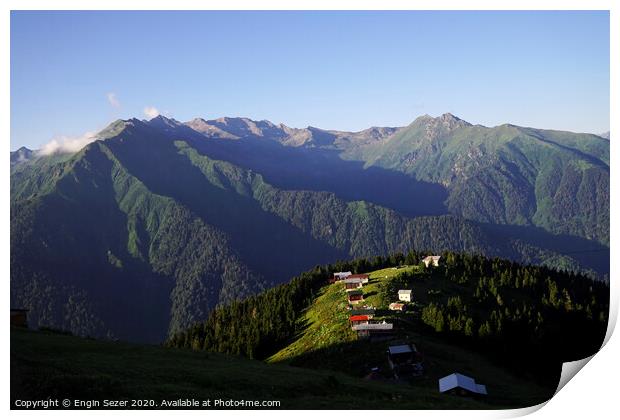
102,255
146,230
555,180
360,228
507,174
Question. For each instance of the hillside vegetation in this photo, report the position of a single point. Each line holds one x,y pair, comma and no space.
164,224
507,174
49,365
510,325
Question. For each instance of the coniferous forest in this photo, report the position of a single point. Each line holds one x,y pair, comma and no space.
529,318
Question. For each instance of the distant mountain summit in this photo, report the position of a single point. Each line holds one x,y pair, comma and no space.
164,122
496,174
313,137
444,122
210,130
236,128
427,128
21,155
153,224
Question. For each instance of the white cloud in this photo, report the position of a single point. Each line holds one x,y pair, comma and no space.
113,100
151,112
67,144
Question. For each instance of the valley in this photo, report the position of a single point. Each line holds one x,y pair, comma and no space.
164,221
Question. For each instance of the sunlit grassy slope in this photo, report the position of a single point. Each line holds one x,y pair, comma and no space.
327,320
327,341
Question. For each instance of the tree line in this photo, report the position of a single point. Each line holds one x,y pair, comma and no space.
533,313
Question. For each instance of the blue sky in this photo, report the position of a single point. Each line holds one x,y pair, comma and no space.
73,72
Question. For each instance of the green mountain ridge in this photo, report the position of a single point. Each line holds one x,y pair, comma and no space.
507,174
510,326
147,222
99,237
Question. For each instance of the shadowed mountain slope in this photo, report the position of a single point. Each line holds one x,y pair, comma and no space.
146,230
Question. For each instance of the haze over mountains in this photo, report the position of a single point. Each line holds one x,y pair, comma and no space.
144,231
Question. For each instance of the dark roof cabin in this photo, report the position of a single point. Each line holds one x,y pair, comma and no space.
405,360
363,311
402,354
355,296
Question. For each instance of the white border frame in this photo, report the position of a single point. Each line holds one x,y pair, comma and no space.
591,393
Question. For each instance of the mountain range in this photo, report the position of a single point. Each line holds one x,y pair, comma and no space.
144,231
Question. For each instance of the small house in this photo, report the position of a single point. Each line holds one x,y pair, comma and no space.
350,284
404,360
367,330
363,277
459,384
431,260
401,354
19,318
341,275
370,313
404,295
395,306
355,296
358,319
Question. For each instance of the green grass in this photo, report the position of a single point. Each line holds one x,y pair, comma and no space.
327,324
328,342
48,365
327,320
379,277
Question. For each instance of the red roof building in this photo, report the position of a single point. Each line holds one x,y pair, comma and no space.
358,319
